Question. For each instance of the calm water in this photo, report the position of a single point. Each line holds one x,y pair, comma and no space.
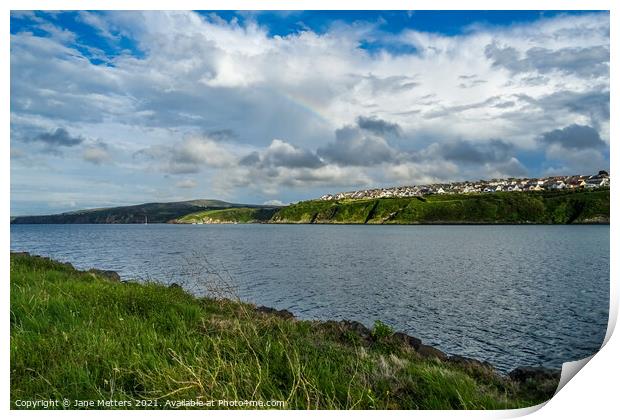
510,295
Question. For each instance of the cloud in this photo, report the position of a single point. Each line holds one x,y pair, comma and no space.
572,161
283,154
469,152
389,84
592,103
188,156
186,183
99,23
378,126
201,151
58,137
355,146
588,61
511,168
97,153
575,137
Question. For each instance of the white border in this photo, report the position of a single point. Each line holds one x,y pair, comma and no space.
592,393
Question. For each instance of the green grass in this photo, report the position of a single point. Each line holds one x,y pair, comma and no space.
79,336
233,215
561,207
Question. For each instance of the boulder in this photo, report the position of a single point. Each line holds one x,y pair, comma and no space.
431,352
409,340
469,362
357,327
283,313
107,274
537,374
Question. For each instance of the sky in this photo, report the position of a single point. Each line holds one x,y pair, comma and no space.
115,108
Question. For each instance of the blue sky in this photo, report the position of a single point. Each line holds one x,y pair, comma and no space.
112,108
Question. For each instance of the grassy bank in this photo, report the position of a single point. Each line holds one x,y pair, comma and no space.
80,335
561,207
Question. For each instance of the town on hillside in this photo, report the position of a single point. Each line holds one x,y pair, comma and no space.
552,183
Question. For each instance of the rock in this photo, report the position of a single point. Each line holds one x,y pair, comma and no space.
357,327
108,274
431,352
283,313
67,265
537,374
409,340
174,286
469,362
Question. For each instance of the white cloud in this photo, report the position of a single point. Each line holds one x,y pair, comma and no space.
186,183
97,153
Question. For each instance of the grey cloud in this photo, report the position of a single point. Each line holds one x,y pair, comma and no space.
356,147
189,156
220,135
476,153
493,102
378,126
58,137
507,57
575,137
505,104
97,153
293,158
180,168
471,83
590,61
282,154
151,152
511,168
470,80
593,103
538,115
250,160
390,84
186,183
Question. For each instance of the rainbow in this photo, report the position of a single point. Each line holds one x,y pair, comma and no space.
309,107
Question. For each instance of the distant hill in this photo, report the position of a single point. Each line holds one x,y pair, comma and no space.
151,212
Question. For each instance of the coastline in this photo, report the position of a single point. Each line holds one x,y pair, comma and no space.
382,340
509,208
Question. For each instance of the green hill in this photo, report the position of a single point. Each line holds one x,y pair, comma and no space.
151,212
584,206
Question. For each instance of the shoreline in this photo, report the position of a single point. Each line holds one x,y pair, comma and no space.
506,208
521,374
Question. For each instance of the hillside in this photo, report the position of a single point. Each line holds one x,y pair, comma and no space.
130,345
151,212
562,207
232,215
